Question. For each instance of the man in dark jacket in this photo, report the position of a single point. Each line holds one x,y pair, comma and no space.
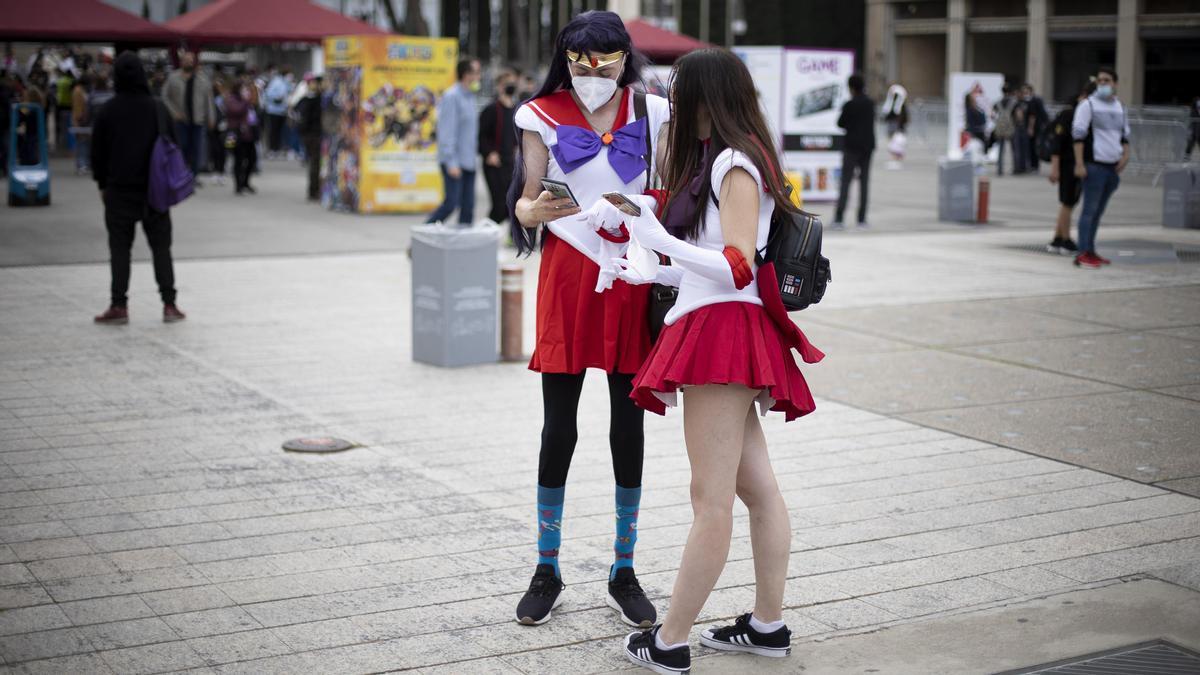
858,119
308,109
123,137
498,143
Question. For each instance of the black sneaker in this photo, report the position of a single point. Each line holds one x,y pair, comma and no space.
626,596
1055,247
641,649
544,594
1069,247
741,637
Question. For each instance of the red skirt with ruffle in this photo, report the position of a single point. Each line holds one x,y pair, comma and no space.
726,343
578,328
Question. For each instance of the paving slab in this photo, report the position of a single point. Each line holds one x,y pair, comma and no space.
911,381
1135,360
1143,436
1191,391
1019,634
1130,309
941,324
149,520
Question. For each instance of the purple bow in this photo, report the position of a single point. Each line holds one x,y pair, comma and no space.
576,146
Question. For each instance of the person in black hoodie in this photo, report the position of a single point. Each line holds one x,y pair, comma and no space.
123,137
308,109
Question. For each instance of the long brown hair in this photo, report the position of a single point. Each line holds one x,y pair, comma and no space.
718,80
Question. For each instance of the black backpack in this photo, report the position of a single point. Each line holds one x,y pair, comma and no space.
1047,144
794,246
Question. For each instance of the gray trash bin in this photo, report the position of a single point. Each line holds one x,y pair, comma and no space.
956,190
1181,195
454,301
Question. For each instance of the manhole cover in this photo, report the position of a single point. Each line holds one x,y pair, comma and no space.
1156,657
317,444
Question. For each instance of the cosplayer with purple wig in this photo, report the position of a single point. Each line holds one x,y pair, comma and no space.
586,128
591,32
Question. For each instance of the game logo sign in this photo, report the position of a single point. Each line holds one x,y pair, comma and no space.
815,87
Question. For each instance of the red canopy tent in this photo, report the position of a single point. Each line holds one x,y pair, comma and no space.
77,21
265,21
660,44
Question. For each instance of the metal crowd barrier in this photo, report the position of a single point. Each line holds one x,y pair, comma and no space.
1155,143
1158,134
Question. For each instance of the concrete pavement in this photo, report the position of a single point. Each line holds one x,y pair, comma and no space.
967,465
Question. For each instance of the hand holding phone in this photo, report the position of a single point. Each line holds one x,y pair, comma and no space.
559,189
624,204
556,201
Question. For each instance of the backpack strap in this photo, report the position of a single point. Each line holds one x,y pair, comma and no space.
639,112
759,254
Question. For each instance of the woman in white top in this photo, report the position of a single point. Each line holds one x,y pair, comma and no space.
726,344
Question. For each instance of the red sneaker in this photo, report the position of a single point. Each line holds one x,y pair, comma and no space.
114,316
1102,261
1088,260
171,314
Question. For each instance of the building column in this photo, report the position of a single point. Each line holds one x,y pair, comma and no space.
627,9
1037,49
1129,52
956,37
879,52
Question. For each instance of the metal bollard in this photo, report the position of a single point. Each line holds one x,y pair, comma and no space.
512,291
981,213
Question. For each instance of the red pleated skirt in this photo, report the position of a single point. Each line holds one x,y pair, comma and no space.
725,343
578,328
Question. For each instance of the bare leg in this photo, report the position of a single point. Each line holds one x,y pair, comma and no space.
1062,228
714,421
770,527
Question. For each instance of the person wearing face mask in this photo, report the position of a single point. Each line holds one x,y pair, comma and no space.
498,143
188,95
1036,118
1100,129
587,128
457,140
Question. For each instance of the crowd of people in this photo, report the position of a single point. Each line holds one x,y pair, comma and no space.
1087,145
224,120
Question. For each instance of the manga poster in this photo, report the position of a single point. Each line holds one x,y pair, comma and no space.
384,92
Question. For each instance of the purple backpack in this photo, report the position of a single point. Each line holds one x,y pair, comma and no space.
170,180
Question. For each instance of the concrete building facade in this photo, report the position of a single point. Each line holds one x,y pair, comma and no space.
1052,44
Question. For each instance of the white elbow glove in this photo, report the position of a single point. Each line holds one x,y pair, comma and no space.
578,232
666,275
650,233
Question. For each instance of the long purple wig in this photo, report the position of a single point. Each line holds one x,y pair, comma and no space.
594,31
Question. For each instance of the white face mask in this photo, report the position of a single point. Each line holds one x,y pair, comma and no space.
1104,91
593,91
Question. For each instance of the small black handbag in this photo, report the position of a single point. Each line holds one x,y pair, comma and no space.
662,296
662,299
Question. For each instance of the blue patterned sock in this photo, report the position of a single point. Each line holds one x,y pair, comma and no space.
628,503
550,508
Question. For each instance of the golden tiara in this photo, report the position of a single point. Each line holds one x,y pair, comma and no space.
594,62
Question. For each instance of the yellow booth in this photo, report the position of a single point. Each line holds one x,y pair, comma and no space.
379,113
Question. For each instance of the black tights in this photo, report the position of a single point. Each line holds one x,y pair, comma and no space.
560,398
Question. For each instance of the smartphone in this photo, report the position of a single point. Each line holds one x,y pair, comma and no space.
624,204
559,189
